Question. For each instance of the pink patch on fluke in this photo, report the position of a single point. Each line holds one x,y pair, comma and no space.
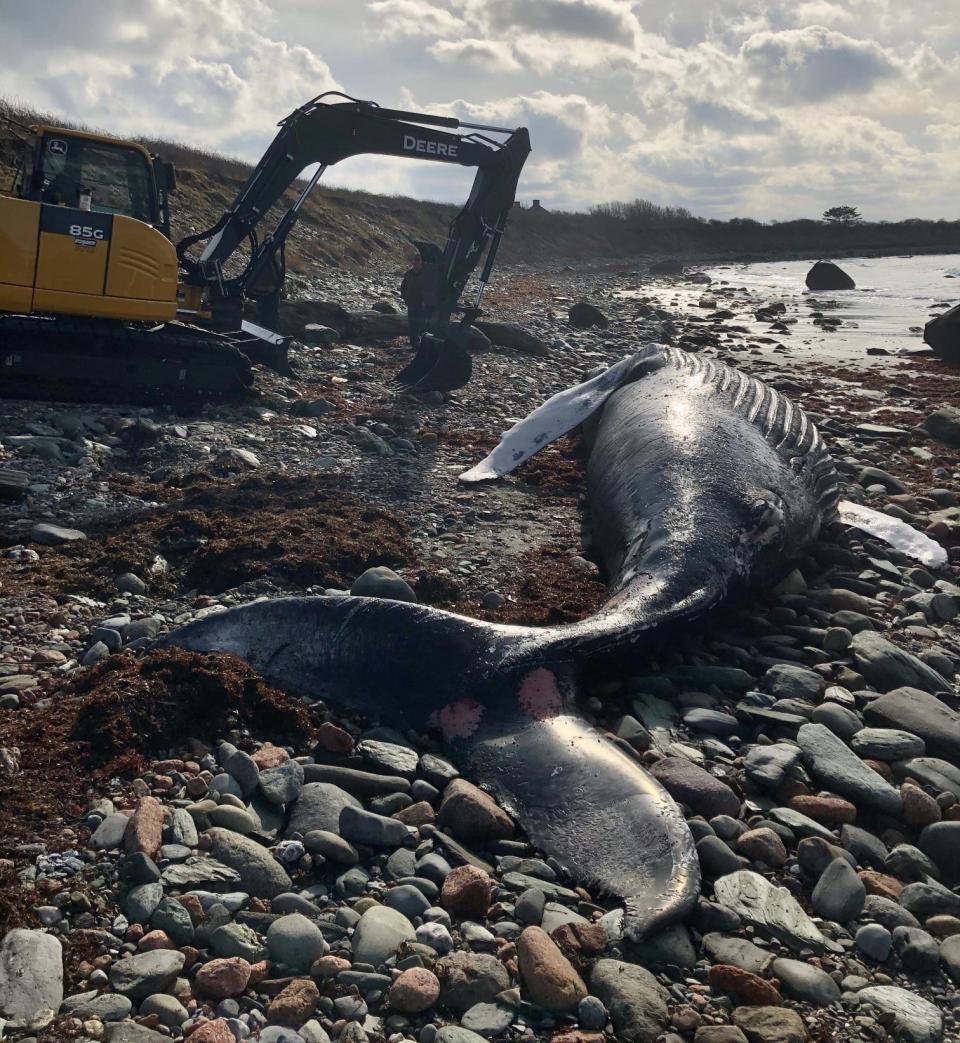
539,696
460,719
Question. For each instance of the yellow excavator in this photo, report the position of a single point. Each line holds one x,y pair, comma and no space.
97,302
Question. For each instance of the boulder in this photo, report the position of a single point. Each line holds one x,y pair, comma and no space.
472,815
379,933
944,423
145,973
940,842
635,999
770,1024
837,767
382,582
508,335
31,973
583,315
825,275
887,667
468,978
942,333
13,484
318,807
261,874
293,1006
414,991
921,714
915,1019
771,909
51,535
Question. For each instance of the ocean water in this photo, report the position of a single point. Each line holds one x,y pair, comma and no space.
893,299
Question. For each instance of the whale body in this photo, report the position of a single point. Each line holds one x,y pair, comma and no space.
700,479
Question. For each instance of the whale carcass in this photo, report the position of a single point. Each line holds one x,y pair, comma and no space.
700,479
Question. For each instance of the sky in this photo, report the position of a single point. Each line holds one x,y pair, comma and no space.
772,110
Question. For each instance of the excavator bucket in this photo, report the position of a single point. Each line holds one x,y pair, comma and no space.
264,346
440,364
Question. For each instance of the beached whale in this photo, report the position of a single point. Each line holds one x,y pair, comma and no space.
699,478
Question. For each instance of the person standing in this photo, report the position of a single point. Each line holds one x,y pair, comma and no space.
419,291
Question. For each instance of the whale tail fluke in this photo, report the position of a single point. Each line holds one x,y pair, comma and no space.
510,720
589,805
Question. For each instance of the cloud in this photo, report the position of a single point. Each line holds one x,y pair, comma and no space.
704,113
418,18
488,55
799,66
145,72
608,20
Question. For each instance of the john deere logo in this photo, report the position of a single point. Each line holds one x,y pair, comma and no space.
57,147
431,148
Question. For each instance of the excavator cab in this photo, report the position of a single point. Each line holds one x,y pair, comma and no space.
85,230
98,174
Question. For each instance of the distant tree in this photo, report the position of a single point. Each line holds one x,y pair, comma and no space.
642,212
842,215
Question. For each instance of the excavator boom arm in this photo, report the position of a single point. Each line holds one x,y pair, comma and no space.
325,133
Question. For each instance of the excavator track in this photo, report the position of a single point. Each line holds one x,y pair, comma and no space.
88,360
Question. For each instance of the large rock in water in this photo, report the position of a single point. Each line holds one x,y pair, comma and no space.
919,713
825,275
943,335
31,973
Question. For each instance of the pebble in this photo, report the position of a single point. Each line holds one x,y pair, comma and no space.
469,978
804,982
295,941
840,893
691,785
414,991
835,765
378,935
548,977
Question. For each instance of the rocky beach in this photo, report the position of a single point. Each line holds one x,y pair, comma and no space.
188,853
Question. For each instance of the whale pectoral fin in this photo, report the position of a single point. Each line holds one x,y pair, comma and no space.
590,806
555,417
